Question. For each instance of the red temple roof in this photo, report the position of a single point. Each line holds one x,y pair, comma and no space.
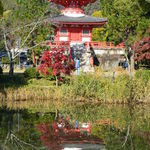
72,3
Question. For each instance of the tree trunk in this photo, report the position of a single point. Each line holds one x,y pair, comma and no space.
56,81
132,63
11,69
11,65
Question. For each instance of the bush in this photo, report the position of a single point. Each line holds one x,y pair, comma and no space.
1,70
49,75
143,74
5,60
122,89
31,73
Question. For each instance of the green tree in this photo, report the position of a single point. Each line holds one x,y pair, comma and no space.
99,34
127,19
25,26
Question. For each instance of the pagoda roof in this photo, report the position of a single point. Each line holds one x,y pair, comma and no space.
68,3
62,19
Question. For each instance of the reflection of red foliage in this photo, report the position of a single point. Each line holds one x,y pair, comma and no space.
57,60
51,135
142,49
54,137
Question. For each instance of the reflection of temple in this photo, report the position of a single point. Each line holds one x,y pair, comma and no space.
73,25
66,137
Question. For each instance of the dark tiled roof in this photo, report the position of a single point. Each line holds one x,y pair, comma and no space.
84,19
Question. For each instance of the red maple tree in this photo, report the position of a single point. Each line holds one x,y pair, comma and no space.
142,50
58,60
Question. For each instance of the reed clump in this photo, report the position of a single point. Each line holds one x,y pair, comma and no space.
85,88
121,89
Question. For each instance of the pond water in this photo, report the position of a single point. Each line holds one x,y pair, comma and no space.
88,127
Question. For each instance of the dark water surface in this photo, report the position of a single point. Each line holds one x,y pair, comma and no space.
113,127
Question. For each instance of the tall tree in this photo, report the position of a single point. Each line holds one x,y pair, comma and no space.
25,26
128,20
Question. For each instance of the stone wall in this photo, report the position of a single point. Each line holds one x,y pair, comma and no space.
109,58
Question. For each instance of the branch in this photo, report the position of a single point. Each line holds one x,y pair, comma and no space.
5,39
25,26
25,143
7,137
17,143
17,139
29,48
33,28
126,138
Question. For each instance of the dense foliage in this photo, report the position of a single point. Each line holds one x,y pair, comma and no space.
128,20
29,16
142,51
31,73
99,34
58,60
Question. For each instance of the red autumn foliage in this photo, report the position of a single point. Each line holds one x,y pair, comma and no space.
142,50
57,60
51,135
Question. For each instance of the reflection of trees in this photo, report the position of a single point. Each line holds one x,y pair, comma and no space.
20,133
3,96
129,128
128,131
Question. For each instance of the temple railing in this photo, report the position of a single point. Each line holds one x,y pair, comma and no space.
95,45
57,44
104,45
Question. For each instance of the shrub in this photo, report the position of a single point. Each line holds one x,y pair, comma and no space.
122,89
31,73
49,75
5,60
143,74
1,70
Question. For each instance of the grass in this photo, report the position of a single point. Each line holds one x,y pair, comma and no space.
86,88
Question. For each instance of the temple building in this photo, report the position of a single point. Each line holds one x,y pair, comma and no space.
72,25
73,28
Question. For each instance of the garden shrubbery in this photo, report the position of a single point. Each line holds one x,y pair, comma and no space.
121,89
143,74
91,88
31,73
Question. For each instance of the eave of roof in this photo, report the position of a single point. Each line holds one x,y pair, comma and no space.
77,20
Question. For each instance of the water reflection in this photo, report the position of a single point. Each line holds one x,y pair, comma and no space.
80,127
62,135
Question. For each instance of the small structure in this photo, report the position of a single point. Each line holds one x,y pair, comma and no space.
73,25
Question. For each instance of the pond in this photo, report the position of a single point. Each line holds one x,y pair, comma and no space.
88,127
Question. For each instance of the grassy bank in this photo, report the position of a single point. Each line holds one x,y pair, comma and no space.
86,88
121,89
